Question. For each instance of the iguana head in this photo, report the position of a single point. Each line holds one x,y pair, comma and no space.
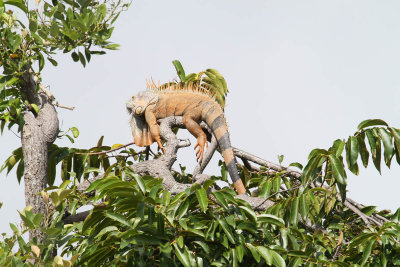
136,107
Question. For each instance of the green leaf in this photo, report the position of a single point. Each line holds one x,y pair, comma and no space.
18,3
179,70
22,245
35,108
296,164
265,254
253,251
361,238
249,213
387,145
191,77
183,208
183,258
352,151
52,61
51,169
372,122
265,189
363,149
82,59
338,169
310,167
20,170
272,219
106,230
75,56
112,46
248,227
66,167
87,54
295,262
14,228
79,161
276,184
280,158
201,195
64,193
240,252
140,182
225,227
294,211
119,218
33,25
375,146
140,210
221,199
303,207
277,260
41,62
367,252
75,132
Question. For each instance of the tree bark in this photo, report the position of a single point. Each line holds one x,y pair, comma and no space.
38,133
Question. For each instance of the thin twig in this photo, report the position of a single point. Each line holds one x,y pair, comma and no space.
61,106
108,151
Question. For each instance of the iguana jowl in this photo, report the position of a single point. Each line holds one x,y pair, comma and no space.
194,106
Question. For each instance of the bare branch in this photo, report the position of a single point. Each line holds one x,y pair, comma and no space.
65,107
108,151
269,165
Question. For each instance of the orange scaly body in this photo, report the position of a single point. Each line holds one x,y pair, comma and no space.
194,106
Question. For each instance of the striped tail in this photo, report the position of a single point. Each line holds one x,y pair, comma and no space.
220,130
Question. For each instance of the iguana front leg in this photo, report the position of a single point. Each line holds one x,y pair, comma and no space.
194,128
154,128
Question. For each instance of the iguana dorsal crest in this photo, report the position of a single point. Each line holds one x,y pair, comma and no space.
177,87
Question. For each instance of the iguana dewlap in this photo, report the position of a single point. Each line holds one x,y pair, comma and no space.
194,106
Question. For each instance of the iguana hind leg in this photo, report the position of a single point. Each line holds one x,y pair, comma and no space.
194,128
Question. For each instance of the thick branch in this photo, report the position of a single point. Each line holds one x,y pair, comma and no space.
38,134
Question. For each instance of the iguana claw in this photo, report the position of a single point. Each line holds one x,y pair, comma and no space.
201,142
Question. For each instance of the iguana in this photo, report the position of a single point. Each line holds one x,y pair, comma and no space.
194,105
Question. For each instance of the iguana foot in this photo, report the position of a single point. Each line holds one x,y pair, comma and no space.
201,142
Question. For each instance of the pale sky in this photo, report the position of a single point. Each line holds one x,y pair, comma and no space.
300,73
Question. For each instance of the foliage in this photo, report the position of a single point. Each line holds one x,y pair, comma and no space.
136,222
29,35
326,166
209,80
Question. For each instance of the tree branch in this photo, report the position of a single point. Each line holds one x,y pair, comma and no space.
79,217
38,134
161,167
297,175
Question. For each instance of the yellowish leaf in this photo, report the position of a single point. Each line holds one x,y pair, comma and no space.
116,146
45,196
35,251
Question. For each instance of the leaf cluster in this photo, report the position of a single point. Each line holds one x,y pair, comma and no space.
209,80
327,166
136,222
81,28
